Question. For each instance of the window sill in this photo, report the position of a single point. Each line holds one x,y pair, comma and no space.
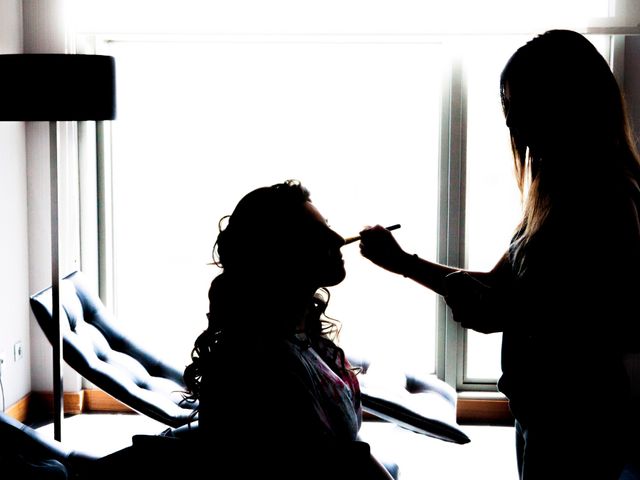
483,408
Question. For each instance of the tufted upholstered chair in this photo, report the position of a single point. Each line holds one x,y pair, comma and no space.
95,348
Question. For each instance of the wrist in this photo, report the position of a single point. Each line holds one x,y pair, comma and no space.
408,264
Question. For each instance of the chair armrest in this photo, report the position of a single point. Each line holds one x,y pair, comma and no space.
421,403
419,412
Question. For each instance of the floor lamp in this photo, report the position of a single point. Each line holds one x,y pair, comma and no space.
55,88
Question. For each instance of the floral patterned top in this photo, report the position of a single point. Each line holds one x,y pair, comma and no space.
336,397
284,388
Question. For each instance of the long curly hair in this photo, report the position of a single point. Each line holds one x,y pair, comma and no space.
569,128
253,248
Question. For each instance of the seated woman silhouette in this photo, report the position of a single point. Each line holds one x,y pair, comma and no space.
270,381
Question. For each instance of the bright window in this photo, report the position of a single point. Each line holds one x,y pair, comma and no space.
201,124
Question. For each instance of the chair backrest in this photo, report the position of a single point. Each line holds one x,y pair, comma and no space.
97,349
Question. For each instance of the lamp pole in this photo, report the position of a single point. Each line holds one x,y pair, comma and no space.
56,340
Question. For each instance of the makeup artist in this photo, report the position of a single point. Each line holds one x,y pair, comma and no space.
566,294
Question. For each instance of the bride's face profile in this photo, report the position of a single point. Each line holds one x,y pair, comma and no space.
317,253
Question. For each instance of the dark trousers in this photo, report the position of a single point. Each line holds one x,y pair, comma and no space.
566,450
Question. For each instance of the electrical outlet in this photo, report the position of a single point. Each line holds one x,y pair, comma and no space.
17,351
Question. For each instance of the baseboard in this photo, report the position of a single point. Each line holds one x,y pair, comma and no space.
20,409
42,402
99,401
36,405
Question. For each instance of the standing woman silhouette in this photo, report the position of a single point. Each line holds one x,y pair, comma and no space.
566,294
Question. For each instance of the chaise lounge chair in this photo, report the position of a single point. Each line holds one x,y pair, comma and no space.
97,349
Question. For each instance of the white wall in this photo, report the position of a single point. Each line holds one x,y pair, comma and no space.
29,26
14,259
44,31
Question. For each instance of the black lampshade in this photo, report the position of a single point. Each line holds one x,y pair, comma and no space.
57,87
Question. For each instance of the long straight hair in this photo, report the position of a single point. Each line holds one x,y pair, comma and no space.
568,97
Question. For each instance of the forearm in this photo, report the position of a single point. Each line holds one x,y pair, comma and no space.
378,245
428,274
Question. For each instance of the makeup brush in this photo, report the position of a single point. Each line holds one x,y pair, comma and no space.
349,240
